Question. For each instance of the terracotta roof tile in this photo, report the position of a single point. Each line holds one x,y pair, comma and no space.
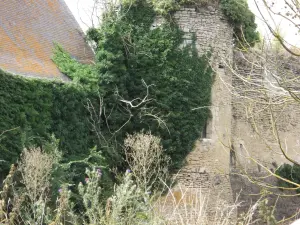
28,29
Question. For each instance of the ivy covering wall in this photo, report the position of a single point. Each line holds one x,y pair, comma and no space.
36,109
129,51
129,54
290,173
237,12
243,21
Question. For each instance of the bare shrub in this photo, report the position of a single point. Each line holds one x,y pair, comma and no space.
146,159
35,167
129,204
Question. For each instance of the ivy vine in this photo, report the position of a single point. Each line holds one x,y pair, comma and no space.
129,51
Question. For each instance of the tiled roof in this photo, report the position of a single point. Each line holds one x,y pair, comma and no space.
28,29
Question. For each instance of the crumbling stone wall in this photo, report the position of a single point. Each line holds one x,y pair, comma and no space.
255,123
207,166
231,136
248,194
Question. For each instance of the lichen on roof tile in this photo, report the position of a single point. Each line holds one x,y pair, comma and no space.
28,31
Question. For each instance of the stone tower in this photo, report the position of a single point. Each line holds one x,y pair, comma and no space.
229,138
208,165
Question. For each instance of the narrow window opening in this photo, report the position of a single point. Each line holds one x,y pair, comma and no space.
206,132
232,157
259,167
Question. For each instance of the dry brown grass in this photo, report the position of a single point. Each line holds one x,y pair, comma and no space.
191,206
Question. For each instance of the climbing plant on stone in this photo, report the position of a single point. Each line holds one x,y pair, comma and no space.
243,21
128,50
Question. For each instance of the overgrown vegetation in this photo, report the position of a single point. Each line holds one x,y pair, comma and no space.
237,12
37,109
290,173
129,54
243,20
83,75
143,79
23,202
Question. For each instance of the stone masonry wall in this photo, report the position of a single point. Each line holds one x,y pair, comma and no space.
253,138
252,128
207,165
213,165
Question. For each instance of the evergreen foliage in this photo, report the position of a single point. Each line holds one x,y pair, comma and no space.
289,172
237,12
243,20
38,109
82,74
129,51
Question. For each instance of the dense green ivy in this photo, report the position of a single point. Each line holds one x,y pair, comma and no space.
243,20
36,109
82,74
289,172
237,12
129,51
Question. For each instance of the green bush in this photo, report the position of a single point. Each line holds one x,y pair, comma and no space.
237,12
243,20
289,172
82,74
37,109
129,51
